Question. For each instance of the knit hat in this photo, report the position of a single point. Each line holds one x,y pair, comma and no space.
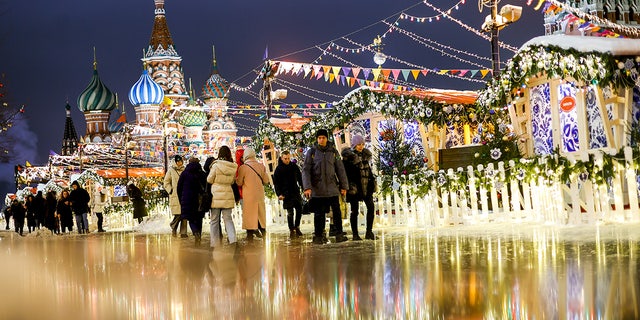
177,158
75,183
356,140
322,132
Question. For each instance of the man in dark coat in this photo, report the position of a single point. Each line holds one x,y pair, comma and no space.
80,205
19,213
38,203
287,180
191,186
362,184
322,164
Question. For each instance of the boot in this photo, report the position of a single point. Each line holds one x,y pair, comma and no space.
369,235
198,237
354,229
341,238
261,233
319,239
298,232
356,237
293,234
249,235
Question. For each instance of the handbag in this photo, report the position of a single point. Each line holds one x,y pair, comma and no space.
353,189
236,191
204,201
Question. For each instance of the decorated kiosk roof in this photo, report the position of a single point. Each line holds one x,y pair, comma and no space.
613,46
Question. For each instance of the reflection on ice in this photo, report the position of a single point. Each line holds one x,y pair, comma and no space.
462,272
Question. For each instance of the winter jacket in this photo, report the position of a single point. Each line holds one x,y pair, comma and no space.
221,176
64,212
98,202
80,200
358,168
252,183
323,172
50,204
190,186
139,207
287,180
171,186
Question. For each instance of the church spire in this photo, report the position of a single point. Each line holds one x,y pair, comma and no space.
70,138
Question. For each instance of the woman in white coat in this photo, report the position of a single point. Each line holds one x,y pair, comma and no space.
171,186
222,174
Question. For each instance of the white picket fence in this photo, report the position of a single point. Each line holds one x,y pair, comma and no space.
516,201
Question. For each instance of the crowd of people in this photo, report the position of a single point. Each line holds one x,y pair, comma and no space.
327,179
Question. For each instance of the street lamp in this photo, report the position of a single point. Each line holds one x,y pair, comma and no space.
379,58
266,95
80,149
495,22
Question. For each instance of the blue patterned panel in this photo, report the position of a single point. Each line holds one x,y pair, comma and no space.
541,120
455,136
598,138
568,119
413,138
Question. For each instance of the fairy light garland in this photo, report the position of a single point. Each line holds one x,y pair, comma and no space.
337,57
433,71
411,18
425,41
469,28
307,88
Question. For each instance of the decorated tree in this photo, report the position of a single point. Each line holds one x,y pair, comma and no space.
7,117
397,160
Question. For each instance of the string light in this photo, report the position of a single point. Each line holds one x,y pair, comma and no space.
469,28
424,41
411,18
607,23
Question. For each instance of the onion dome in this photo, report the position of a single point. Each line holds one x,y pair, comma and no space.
96,97
145,91
216,86
192,118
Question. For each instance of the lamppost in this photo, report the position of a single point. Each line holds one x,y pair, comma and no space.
266,95
127,136
494,23
80,150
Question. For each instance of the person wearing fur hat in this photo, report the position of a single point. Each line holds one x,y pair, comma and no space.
171,186
362,184
322,164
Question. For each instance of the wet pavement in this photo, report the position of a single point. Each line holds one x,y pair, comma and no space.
495,272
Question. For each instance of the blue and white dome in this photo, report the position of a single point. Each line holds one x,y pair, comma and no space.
96,97
145,91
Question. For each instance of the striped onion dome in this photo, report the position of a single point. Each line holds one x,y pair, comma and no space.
145,91
216,86
96,97
192,118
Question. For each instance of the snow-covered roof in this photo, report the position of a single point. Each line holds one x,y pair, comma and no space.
614,46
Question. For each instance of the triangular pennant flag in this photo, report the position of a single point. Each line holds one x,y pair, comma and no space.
463,72
318,74
424,72
484,72
346,71
443,71
326,69
336,70
366,72
341,80
323,105
385,73
331,77
356,72
376,73
405,74
415,73
473,73
395,73
307,68
453,72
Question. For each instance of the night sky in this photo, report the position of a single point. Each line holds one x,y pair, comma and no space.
46,49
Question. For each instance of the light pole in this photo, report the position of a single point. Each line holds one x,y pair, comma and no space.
80,149
494,23
127,137
266,95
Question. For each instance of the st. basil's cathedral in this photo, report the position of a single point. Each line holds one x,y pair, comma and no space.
169,119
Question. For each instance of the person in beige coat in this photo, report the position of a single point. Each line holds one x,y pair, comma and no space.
171,186
252,176
221,175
